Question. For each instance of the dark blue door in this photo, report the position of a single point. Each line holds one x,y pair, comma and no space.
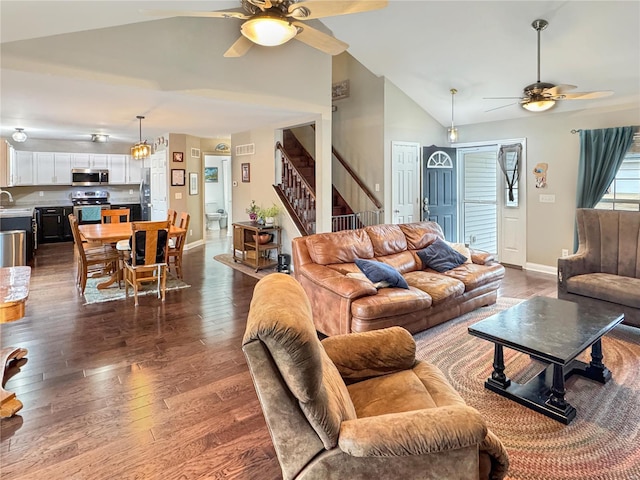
439,189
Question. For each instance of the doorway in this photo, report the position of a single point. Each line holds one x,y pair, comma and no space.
216,192
405,172
439,189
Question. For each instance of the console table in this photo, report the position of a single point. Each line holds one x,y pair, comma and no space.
255,245
14,290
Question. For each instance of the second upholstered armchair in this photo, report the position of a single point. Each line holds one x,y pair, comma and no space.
360,405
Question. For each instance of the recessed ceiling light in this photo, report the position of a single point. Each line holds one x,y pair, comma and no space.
99,137
19,135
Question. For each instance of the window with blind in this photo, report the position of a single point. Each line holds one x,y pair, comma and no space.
624,191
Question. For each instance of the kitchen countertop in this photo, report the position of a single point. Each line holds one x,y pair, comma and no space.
16,212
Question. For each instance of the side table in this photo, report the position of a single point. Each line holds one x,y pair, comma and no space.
14,290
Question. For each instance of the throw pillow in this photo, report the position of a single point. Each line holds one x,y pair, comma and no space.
363,277
440,256
381,272
462,249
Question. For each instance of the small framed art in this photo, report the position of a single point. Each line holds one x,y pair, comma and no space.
177,177
193,183
246,172
178,157
211,174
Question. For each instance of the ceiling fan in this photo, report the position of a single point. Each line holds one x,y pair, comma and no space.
541,96
274,22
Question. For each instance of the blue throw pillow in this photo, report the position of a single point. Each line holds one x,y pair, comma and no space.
381,272
441,257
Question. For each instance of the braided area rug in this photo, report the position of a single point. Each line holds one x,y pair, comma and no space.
601,443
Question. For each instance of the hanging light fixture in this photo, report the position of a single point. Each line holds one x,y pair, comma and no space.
19,135
268,29
452,132
140,150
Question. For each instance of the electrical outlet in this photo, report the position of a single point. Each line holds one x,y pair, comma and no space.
41,193
377,187
131,191
565,252
190,232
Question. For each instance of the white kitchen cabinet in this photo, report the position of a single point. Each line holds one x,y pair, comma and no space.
90,160
7,155
134,170
80,160
52,168
118,169
99,160
21,171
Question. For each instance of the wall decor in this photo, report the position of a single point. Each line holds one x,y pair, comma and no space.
223,148
178,157
195,153
211,174
540,172
246,172
193,183
340,90
177,177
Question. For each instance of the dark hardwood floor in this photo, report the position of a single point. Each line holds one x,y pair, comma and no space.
161,391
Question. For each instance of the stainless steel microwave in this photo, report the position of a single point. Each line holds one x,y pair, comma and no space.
84,177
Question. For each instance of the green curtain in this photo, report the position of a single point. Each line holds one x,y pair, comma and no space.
601,154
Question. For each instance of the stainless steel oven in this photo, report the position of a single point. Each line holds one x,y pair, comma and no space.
85,177
89,213
87,205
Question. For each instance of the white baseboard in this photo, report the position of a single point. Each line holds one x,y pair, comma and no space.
536,267
195,244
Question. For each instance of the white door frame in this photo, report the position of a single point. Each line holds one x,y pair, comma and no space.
415,188
511,222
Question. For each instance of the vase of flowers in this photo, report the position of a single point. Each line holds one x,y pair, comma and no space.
253,210
268,214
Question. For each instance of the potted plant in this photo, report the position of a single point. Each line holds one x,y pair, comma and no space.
268,214
253,210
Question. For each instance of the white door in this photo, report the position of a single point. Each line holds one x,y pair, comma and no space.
405,172
159,203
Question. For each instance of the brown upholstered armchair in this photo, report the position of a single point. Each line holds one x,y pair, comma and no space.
358,406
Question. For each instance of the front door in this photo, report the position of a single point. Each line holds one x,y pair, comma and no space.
439,189
405,166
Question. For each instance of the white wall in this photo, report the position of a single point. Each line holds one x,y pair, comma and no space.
550,226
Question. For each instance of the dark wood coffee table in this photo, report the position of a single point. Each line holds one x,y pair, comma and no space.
553,331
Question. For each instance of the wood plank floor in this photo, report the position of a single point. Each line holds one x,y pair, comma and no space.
161,391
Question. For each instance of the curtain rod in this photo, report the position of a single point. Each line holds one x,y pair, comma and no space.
636,129
574,131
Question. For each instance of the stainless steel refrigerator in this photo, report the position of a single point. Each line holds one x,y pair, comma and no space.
145,194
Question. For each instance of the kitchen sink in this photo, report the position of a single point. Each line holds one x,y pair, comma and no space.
14,212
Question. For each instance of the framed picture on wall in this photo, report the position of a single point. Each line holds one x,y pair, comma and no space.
193,183
246,172
177,177
211,174
178,157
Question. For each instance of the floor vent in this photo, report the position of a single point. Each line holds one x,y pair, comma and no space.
247,149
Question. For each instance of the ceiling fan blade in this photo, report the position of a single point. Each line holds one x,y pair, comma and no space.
239,47
326,8
502,106
180,13
501,98
316,39
558,89
585,95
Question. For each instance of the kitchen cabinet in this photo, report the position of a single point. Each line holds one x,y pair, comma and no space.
52,168
257,246
21,169
90,160
118,169
134,170
7,154
53,224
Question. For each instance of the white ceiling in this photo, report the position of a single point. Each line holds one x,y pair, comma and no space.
481,48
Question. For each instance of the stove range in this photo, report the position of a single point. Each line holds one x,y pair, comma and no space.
91,197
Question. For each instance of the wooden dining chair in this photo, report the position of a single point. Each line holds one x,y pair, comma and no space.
115,216
172,215
177,245
148,260
105,256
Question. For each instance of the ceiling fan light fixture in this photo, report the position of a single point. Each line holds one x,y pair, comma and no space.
268,30
19,135
99,137
541,105
140,150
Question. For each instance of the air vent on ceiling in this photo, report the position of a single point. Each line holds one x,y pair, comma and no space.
247,149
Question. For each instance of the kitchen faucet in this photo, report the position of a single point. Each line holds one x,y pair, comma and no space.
8,194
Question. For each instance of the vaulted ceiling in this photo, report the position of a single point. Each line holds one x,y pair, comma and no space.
481,48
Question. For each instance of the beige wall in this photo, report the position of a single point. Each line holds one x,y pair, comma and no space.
549,140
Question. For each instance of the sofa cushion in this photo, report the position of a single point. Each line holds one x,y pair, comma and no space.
421,234
363,277
390,302
441,257
474,276
403,262
381,272
607,287
439,287
386,239
463,250
339,247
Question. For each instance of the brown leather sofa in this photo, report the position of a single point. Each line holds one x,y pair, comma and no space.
342,304
606,266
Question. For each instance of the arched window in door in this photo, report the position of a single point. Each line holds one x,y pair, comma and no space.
439,159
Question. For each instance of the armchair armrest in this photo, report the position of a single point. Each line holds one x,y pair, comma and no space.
369,354
481,257
570,267
413,433
336,282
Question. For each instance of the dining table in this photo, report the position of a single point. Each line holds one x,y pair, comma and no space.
108,233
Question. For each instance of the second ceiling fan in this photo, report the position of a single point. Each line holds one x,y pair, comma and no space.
541,96
274,22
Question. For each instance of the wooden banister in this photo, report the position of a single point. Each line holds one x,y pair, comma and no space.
356,178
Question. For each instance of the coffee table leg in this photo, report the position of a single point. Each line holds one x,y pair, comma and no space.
498,377
556,399
596,369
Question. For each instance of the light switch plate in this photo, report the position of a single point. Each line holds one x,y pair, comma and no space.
547,198
178,195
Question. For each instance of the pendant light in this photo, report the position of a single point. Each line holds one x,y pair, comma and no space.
140,150
19,135
452,132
